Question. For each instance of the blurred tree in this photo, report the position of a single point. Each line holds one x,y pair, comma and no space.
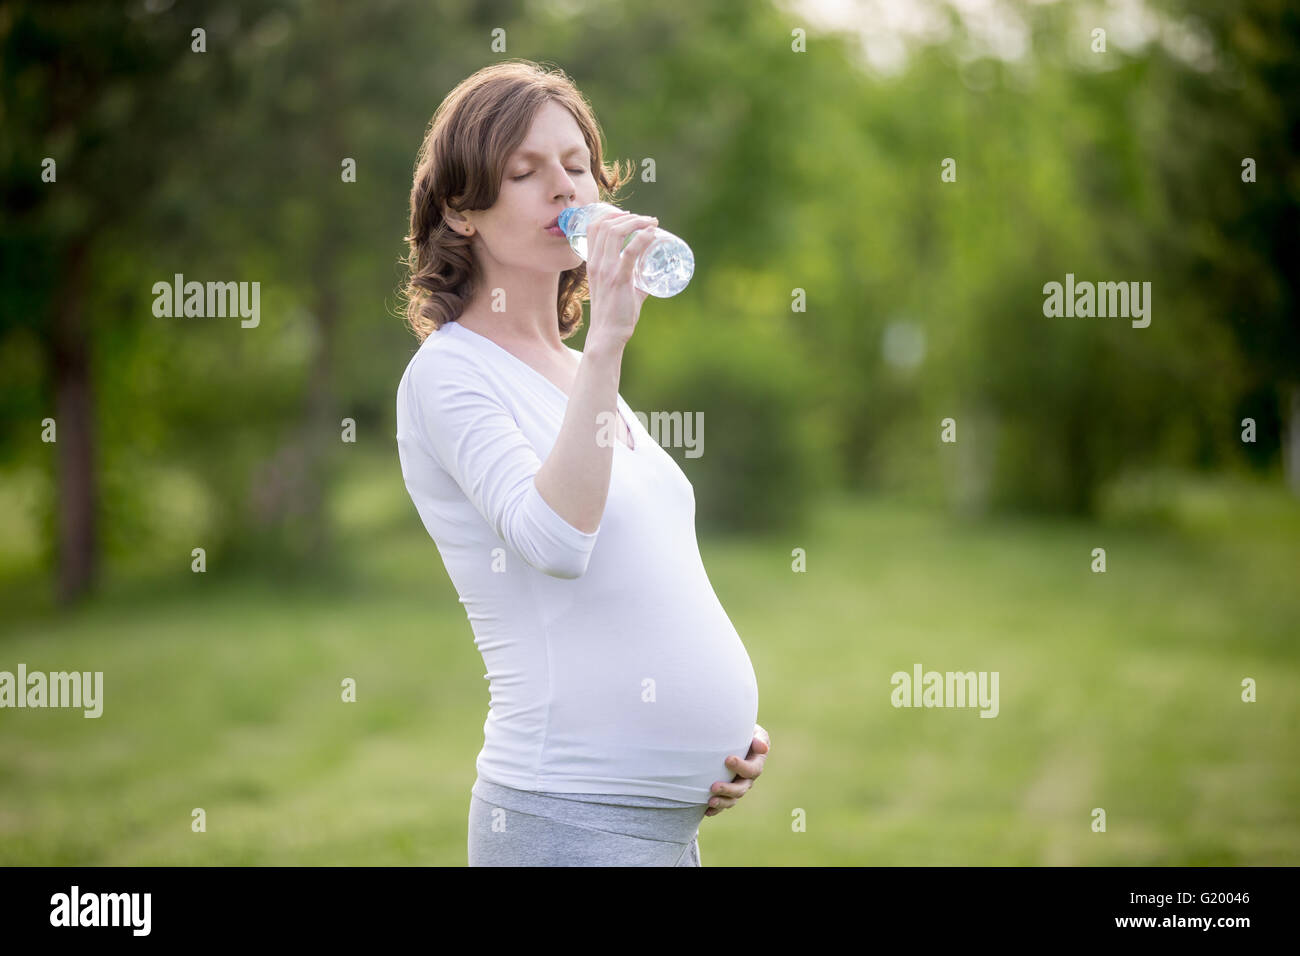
1237,240
109,100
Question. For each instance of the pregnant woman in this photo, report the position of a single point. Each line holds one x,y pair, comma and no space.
621,696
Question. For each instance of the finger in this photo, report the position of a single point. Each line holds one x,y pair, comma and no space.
602,225
606,236
737,788
758,746
631,253
604,221
645,230
597,240
747,768
631,224
731,788
606,224
621,225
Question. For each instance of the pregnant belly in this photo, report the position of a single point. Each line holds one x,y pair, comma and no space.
657,700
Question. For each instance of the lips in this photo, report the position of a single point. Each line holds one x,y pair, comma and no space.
554,223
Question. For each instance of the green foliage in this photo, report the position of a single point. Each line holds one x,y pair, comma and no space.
784,171
764,455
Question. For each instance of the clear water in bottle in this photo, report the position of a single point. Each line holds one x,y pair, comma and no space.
666,265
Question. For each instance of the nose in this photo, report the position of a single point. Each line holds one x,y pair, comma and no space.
565,189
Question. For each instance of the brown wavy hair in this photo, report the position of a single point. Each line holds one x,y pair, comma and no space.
461,163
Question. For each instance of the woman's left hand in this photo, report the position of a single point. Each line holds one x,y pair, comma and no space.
725,794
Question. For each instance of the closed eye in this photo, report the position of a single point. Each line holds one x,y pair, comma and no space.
526,175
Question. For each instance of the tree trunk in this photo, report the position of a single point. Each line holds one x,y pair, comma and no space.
1291,438
321,422
69,355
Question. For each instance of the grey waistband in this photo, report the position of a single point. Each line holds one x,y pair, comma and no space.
667,820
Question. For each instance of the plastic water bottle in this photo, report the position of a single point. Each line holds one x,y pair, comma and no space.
665,266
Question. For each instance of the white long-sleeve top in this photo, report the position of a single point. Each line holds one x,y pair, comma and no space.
612,666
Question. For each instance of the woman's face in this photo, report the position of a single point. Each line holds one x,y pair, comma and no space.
547,173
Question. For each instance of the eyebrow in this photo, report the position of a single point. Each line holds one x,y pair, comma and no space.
529,154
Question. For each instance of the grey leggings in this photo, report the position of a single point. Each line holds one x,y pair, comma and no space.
509,827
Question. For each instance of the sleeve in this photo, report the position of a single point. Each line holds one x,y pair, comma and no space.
477,441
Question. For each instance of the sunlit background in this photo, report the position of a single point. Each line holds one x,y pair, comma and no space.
905,460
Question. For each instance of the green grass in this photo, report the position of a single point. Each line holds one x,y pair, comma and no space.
1118,690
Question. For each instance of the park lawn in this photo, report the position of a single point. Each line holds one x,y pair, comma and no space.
1119,691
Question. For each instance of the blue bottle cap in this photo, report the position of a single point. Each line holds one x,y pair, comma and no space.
565,217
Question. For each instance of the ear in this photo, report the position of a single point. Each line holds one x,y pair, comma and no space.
457,220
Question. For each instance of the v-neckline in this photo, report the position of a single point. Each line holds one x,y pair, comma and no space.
558,390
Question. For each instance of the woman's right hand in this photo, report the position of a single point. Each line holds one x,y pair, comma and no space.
615,301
